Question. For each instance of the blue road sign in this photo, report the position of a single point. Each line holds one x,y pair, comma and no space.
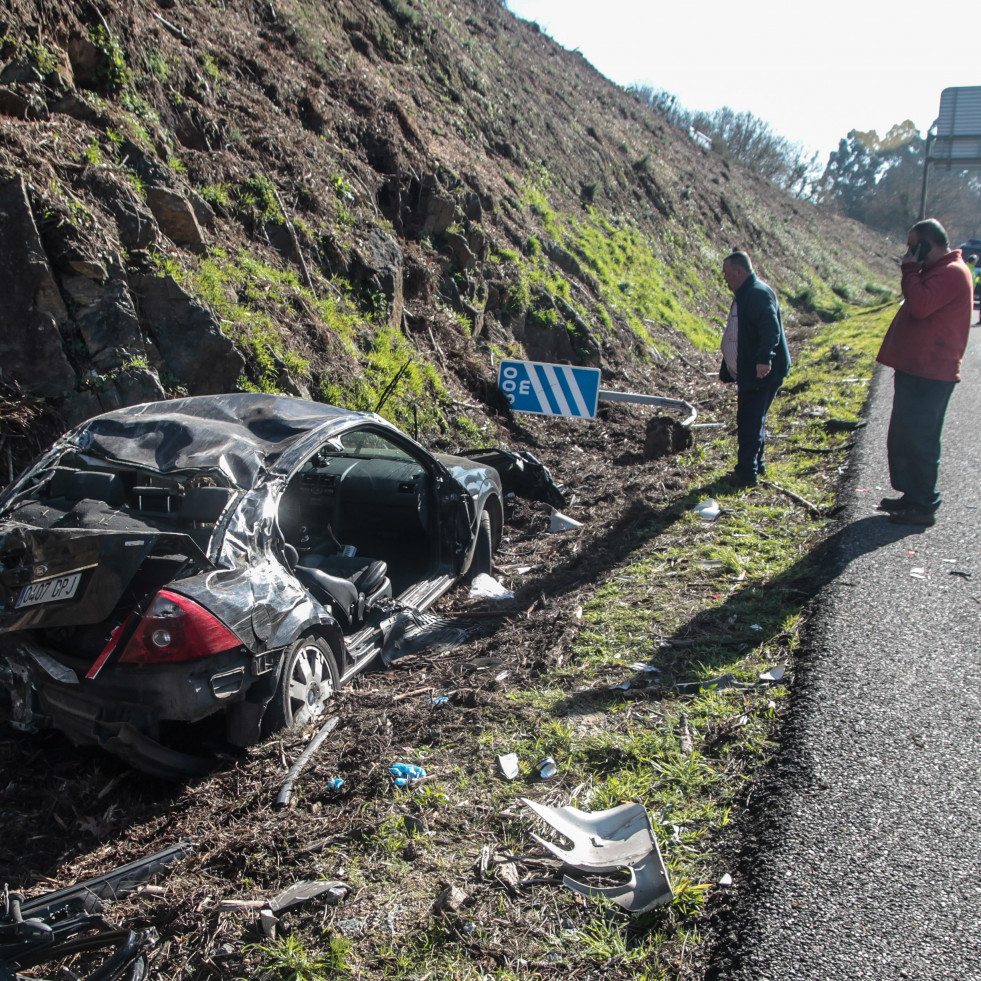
550,389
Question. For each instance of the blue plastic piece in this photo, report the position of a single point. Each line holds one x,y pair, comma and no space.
406,773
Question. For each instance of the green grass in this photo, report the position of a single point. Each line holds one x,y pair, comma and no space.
258,305
635,286
695,600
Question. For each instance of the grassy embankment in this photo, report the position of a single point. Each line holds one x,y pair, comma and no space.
693,601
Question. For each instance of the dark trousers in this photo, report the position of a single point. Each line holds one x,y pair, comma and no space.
913,443
752,406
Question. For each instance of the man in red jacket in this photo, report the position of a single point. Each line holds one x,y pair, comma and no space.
925,344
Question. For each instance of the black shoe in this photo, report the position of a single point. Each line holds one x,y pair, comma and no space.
910,517
738,480
894,504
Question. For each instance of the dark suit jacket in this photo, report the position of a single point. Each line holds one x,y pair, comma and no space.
761,336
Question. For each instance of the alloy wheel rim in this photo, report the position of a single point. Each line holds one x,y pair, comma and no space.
311,685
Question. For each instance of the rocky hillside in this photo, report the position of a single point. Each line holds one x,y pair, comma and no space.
203,195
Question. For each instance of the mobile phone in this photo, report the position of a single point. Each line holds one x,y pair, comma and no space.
922,250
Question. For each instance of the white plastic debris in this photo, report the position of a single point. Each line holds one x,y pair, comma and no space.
603,841
775,673
268,921
487,587
645,668
917,573
726,880
508,764
562,522
708,509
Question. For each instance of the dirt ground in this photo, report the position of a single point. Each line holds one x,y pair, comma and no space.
68,813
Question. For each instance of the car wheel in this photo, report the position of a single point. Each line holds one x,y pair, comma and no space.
308,681
483,553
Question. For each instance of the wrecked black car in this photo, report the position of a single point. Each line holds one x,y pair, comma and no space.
236,554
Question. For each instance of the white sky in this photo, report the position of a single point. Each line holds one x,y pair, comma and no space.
812,70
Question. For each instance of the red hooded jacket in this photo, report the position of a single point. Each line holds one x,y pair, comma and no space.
928,335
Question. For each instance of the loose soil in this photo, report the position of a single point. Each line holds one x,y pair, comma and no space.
69,813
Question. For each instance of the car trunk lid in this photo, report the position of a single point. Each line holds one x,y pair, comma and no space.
51,577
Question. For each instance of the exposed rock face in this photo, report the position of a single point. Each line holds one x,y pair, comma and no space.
378,264
176,217
131,386
134,222
187,336
31,353
106,317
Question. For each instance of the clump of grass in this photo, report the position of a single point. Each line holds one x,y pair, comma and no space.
288,959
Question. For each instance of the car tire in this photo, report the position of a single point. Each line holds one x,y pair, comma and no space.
482,559
307,683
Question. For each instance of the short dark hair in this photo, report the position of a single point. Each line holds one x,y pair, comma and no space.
933,232
740,260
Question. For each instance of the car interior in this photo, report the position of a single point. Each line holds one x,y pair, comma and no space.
357,517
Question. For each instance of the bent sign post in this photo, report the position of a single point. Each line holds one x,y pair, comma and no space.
564,390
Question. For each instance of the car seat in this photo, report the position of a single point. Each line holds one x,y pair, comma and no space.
353,585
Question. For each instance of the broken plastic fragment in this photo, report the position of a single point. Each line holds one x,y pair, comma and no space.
304,892
439,700
487,587
335,783
646,668
268,921
508,764
775,673
406,773
726,880
562,522
603,841
708,509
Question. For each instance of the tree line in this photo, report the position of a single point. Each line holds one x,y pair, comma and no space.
877,181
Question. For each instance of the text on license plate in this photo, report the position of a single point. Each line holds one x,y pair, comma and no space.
49,590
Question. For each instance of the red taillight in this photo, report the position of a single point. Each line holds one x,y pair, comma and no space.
175,628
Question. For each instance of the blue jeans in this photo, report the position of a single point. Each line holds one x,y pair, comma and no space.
913,442
752,406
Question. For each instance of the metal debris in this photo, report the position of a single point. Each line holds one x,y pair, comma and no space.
286,791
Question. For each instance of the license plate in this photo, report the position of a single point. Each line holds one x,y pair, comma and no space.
48,590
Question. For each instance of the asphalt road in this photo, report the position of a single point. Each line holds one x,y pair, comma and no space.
865,860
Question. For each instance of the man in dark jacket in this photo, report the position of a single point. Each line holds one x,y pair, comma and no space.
756,358
925,344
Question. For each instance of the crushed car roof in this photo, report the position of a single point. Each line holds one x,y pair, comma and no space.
243,434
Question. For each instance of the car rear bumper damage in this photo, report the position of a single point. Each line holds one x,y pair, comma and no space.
48,690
